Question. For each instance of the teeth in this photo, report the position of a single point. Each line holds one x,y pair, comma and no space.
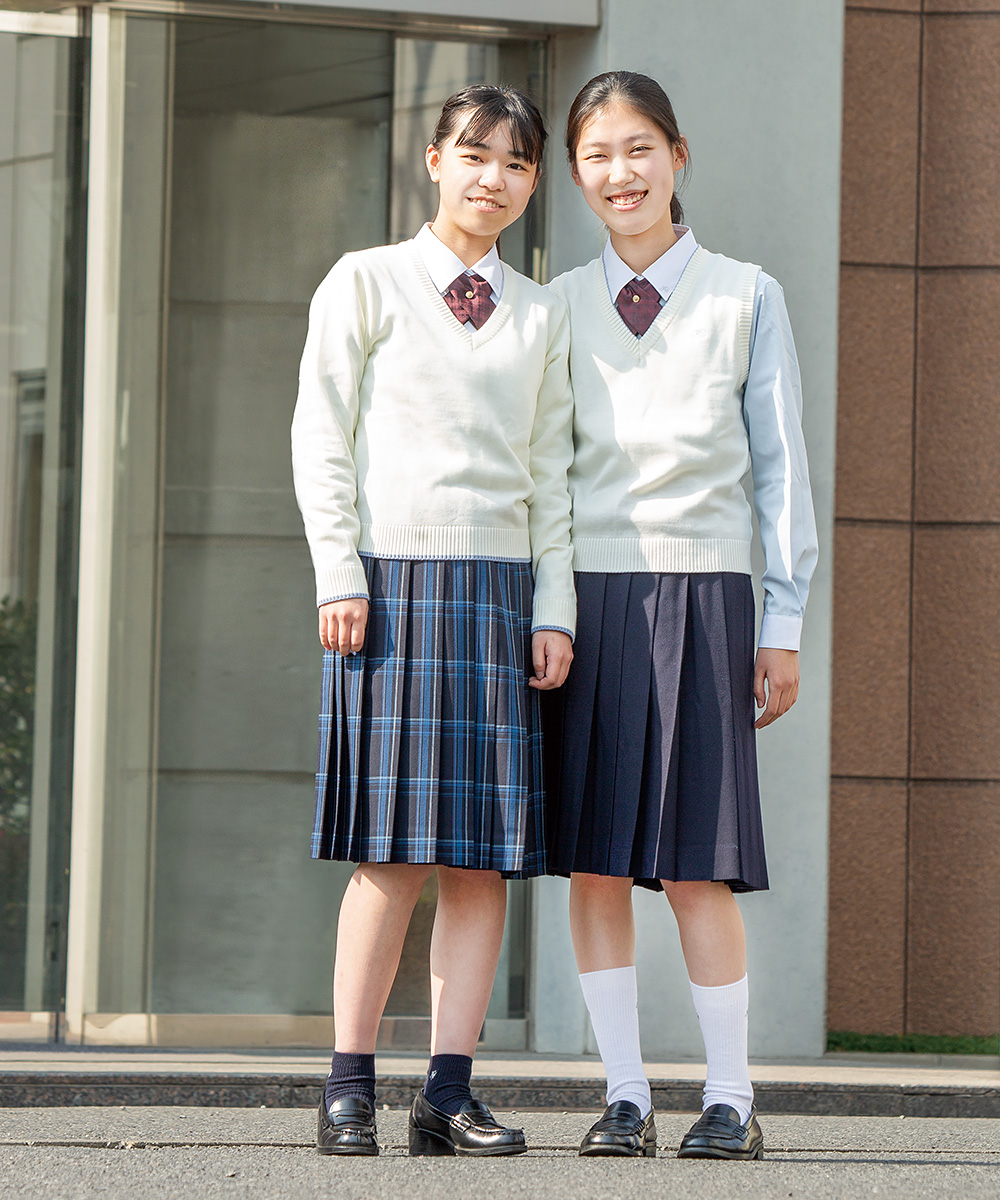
486,205
628,201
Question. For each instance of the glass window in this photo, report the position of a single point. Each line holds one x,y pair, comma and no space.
41,215
247,157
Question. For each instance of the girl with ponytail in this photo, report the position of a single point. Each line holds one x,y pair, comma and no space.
685,379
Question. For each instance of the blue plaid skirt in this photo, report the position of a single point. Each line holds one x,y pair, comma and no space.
429,737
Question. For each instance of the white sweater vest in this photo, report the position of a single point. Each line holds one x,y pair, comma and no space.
415,437
661,445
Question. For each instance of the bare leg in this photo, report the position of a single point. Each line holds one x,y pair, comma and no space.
711,929
600,917
714,945
600,914
374,916
465,946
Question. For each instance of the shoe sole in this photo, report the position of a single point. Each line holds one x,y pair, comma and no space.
739,1155
424,1144
355,1151
617,1152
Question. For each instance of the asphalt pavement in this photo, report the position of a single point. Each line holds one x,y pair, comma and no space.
204,1153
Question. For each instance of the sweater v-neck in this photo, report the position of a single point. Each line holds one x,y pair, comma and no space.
640,346
473,338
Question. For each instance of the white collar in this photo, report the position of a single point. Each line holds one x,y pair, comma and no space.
662,274
444,266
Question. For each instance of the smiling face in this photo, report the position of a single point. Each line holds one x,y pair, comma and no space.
625,166
484,186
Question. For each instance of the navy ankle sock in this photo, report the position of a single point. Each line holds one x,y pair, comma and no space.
448,1079
351,1075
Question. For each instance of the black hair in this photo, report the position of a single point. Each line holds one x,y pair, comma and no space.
632,90
488,107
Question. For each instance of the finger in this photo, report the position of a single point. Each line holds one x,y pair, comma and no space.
538,655
344,626
358,633
759,693
324,632
769,713
560,669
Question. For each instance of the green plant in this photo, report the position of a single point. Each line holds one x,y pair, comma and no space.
911,1043
17,709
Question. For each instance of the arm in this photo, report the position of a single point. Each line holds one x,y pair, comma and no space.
772,410
550,455
323,431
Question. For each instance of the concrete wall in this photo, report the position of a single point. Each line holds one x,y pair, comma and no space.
757,91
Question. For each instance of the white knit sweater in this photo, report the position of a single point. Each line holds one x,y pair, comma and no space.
415,437
661,445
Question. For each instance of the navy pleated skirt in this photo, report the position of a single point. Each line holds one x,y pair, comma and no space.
651,763
430,745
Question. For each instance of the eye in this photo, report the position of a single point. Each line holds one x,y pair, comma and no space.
472,157
594,157
518,166
639,149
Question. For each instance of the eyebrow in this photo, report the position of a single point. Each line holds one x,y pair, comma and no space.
511,151
643,136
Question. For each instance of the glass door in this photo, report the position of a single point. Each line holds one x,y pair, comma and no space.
42,218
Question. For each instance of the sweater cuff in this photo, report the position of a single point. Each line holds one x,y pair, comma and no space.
779,633
554,612
341,582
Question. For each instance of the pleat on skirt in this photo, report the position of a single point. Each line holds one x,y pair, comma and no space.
429,737
651,762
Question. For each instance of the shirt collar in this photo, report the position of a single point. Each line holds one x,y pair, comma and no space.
662,274
444,266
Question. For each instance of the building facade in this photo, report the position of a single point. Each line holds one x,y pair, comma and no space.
175,179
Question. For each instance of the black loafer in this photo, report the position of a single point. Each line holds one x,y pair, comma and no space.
347,1128
472,1130
718,1134
621,1132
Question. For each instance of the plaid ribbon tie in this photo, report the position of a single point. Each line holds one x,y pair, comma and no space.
470,299
638,303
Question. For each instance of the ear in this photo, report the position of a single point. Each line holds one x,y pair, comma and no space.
432,157
538,175
575,173
681,154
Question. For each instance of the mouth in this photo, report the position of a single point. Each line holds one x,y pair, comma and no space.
485,204
623,201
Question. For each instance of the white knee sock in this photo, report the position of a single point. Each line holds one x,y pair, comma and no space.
613,1003
722,1014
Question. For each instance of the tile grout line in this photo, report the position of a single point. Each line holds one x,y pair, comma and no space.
907,883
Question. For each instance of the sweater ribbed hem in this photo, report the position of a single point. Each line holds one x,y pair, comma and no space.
444,541
554,612
675,555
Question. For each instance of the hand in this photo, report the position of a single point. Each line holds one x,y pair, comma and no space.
551,652
342,625
779,669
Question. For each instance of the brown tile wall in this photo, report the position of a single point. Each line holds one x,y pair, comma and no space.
915,795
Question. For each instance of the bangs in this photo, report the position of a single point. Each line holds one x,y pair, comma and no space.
505,110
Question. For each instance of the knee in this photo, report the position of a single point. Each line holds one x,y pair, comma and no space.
692,896
458,882
402,882
599,889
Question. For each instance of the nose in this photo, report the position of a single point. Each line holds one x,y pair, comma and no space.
491,177
621,170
